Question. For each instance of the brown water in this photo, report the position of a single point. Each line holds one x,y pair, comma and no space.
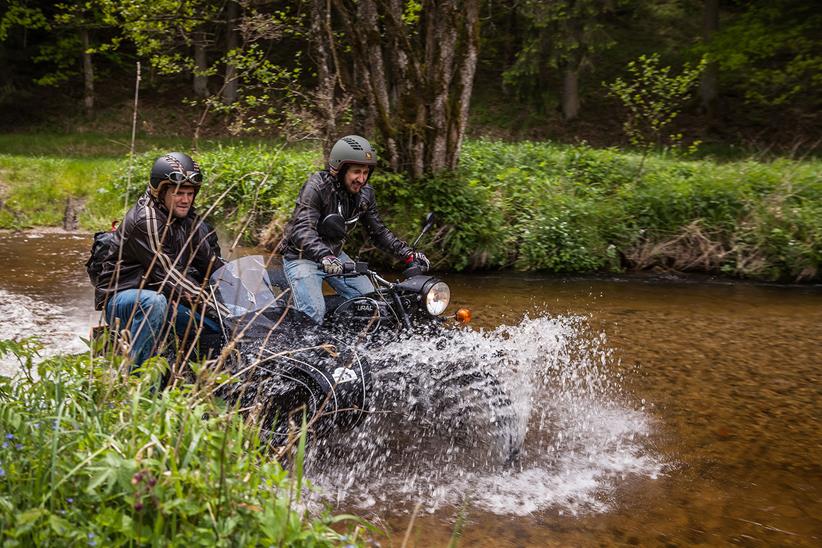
713,389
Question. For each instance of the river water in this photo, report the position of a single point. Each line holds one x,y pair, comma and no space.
654,411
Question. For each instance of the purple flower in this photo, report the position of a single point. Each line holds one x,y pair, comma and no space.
18,446
90,536
9,436
70,500
92,543
2,472
5,445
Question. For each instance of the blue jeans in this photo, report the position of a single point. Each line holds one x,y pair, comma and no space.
148,317
306,280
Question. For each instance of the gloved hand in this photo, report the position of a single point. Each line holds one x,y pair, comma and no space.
419,258
332,265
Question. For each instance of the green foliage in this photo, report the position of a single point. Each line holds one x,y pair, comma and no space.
557,35
268,91
771,51
653,98
19,14
91,458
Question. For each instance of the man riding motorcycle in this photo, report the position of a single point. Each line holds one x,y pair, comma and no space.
343,190
158,261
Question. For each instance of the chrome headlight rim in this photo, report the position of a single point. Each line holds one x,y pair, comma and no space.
433,295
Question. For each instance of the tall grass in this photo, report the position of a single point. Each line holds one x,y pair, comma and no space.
90,457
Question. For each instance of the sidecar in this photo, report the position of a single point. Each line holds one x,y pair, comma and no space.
282,364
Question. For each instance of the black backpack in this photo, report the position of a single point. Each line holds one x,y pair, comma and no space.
101,248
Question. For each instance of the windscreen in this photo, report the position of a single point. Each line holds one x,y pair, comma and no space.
243,286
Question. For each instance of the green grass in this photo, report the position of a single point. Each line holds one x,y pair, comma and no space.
34,189
95,458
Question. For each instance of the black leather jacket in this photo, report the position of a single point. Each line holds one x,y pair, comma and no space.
170,257
322,195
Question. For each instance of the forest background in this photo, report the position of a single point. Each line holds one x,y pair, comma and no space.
567,136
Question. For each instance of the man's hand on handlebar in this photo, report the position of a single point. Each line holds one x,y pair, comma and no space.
418,259
332,265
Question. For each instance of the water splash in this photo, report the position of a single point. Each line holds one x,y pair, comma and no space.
450,411
59,329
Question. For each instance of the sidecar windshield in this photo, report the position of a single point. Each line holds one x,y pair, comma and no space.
243,286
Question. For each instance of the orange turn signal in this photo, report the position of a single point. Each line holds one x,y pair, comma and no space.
463,315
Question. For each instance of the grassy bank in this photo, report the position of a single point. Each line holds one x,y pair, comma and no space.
91,458
530,206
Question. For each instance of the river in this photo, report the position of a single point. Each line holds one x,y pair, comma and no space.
658,411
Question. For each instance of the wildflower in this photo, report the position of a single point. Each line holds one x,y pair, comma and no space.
90,536
70,500
18,446
92,543
2,472
5,444
36,425
9,436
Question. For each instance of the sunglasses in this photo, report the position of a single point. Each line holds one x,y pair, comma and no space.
178,178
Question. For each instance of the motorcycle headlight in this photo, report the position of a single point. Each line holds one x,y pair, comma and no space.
437,298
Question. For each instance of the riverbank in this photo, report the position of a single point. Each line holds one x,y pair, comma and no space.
529,206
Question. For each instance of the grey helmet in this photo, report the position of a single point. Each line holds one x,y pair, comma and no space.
351,149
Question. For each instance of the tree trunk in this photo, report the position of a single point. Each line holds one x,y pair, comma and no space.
570,93
232,42
709,87
323,47
465,83
200,65
416,78
88,76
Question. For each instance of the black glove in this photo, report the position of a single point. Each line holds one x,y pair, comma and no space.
332,265
419,258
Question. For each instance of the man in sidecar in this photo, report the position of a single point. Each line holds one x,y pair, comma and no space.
311,253
155,269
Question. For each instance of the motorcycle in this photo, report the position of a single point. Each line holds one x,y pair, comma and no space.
456,396
288,365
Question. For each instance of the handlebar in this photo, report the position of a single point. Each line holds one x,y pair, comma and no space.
360,268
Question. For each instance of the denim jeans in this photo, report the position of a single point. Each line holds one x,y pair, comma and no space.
306,280
150,318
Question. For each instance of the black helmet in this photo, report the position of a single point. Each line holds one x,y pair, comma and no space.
175,168
351,149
